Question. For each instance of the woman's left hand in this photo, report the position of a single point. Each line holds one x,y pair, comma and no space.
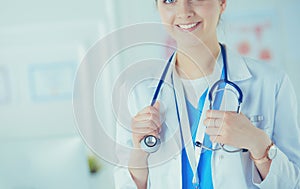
233,129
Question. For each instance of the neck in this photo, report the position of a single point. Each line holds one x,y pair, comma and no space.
197,61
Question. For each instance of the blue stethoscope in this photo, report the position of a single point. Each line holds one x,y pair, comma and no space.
151,144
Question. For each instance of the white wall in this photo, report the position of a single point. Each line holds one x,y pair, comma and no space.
286,15
43,33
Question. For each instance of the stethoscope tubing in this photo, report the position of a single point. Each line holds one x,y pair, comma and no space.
152,148
145,145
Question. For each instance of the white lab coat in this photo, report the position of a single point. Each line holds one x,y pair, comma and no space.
267,92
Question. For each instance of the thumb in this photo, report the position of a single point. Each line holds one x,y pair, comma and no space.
156,105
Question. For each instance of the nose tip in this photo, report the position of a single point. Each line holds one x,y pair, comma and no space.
184,10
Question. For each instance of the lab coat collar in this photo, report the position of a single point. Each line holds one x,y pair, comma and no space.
236,68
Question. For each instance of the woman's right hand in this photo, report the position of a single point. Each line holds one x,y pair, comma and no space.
146,122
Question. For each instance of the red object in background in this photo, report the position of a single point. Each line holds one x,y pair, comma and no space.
265,54
258,29
244,48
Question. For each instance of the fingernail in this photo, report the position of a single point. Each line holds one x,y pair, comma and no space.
156,105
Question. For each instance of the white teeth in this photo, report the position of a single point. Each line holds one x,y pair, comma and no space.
187,26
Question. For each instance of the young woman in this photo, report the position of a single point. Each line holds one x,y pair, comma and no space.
266,128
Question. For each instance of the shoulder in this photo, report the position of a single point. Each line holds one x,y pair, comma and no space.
267,74
262,69
259,70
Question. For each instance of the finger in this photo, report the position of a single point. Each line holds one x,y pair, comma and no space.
215,114
147,117
144,120
218,113
213,131
216,139
149,109
144,131
156,105
146,125
212,122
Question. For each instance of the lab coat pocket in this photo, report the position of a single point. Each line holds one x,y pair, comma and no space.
261,122
228,171
256,120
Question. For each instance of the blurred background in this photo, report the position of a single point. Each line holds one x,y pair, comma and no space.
41,45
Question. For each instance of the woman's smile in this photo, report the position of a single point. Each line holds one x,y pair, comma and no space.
189,27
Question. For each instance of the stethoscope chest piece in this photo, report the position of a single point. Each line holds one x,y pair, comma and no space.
150,144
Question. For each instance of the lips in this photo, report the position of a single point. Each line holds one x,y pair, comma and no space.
189,27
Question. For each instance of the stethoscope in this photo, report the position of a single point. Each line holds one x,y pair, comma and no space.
151,143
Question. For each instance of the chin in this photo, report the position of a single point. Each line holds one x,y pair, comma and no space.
186,39
189,41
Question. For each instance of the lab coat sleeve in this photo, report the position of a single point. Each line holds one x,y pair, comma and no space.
284,171
122,177
124,144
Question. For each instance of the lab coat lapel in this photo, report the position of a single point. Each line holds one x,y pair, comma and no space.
231,162
236,67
